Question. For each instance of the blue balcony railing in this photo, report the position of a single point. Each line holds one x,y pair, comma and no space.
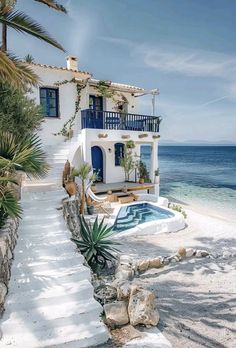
116,120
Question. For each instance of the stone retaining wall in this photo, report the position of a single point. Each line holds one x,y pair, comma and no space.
70,213
8,238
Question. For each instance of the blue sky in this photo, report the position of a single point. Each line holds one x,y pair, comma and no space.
186,48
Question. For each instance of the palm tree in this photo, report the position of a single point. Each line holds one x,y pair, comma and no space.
84,172
17,154
29,58
11,68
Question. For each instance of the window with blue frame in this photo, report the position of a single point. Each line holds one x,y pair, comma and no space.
49,100
119,153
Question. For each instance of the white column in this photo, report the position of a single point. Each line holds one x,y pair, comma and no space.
154,160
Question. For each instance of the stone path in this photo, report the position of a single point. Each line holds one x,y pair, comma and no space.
50,301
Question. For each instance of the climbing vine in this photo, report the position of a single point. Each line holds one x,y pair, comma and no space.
104,89
66,130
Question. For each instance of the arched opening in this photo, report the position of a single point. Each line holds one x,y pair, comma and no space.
97,161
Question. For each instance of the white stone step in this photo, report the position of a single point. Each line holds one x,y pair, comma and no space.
50,311
74,335
36,282
48,258
82,288
32,267
49,300
45,267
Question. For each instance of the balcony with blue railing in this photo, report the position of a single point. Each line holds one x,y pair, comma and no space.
119,121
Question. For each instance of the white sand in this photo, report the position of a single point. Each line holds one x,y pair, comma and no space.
196,298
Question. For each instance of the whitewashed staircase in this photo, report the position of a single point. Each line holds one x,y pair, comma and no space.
56,158
50,301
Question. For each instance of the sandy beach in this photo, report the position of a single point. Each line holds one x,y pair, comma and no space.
196,297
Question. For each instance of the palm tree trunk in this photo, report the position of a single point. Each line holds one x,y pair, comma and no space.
4,37
82,204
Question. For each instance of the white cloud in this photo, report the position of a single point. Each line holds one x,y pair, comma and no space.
181,60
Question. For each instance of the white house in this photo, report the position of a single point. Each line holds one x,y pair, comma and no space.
107,116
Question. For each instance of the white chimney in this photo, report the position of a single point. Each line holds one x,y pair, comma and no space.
72,63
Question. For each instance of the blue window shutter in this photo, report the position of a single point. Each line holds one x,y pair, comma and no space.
49,100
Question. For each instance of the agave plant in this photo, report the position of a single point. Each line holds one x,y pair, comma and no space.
95,244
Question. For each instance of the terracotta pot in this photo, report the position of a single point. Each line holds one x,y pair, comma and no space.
141,181
71,188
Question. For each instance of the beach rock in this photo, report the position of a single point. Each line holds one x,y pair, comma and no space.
190,252
151,338
182,252
123,291
198,253
142,307
204,253
125,334
116,313
143,265
227,254
166,261
155,263
124,272
126,260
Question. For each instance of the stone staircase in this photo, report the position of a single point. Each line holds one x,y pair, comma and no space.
50,301
56,158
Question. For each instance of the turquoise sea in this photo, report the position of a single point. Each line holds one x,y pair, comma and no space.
202,176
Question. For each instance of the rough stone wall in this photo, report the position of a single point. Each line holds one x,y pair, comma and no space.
8,238
71,212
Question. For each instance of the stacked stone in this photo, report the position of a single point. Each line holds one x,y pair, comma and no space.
8,238
70,212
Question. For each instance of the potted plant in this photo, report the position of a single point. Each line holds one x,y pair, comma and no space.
143,173
157,176
127,162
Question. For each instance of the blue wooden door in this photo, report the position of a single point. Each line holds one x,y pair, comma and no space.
96,107
97,161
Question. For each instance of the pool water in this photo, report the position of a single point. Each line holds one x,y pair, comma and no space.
132,215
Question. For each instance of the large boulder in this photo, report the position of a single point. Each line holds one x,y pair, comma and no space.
143,265
142,307
116,313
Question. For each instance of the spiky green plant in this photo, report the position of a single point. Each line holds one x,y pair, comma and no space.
95,244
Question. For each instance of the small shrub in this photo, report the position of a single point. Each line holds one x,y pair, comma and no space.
177,208
94,243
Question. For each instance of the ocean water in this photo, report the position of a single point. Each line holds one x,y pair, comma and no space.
202,176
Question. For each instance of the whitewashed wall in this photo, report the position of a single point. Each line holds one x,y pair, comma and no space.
112,173
67,96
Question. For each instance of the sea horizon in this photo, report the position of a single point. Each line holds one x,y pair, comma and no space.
200,176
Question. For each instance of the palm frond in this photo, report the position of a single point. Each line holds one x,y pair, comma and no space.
23,23
16,72
53,4
9,204
25,154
